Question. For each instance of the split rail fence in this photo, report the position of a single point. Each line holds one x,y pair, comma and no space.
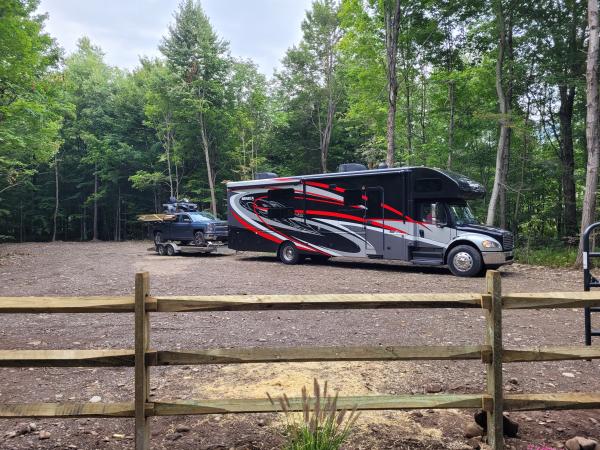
494,401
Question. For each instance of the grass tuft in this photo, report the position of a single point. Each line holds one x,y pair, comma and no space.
320,426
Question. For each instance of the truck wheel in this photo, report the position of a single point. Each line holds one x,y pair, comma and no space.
465,261
199,239
289,254
170,250
158,237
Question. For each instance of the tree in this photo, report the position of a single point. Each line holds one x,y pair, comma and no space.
392,14
200,59
591,131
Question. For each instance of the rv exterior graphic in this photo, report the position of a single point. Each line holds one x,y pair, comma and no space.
415,214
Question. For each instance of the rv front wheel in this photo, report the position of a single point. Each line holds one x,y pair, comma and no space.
289,254
465,261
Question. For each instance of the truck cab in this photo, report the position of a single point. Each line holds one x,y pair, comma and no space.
191,227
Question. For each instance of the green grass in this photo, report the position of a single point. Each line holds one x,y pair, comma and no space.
321,426
548,256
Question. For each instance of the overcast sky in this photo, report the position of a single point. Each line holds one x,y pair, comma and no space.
126,29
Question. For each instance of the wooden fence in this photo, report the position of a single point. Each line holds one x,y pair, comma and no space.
491,353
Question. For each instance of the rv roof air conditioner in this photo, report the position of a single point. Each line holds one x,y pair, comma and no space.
351,167
265,175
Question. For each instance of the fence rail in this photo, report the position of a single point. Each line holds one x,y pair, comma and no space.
494,401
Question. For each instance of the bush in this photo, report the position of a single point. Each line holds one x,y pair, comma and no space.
322,426
548,256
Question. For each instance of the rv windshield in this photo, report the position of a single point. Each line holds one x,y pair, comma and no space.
462,214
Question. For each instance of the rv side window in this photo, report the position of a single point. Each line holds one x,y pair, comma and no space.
353,197
281,195
428,185
425,214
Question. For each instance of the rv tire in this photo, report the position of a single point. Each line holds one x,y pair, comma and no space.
289,254
170,250
465,261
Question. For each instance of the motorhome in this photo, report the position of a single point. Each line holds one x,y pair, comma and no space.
414,214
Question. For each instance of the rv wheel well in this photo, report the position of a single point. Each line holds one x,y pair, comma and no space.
456,244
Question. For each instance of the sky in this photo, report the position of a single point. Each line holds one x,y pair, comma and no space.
127,29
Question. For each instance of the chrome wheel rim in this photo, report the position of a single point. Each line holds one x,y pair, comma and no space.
463,261
288,253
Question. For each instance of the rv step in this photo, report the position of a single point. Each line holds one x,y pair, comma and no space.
428,261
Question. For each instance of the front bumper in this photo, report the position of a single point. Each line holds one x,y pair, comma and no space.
492,258
215,237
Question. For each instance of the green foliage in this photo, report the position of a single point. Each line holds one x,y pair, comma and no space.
554,255
322,426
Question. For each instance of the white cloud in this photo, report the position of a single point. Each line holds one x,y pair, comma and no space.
127,29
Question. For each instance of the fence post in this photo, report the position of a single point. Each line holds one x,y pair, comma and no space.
495,418
142,339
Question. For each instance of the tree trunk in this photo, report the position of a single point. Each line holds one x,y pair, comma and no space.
95,218
55,199
209,169
591,129
407,98
392,28
452,101
326,135
504,109
168,147
567,159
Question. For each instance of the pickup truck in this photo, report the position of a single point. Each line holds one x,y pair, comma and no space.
194,227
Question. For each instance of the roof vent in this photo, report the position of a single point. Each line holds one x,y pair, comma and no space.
351,167
265,175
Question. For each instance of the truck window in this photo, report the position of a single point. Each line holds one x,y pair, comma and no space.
185,218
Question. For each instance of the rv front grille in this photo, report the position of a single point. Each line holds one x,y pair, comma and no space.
508,241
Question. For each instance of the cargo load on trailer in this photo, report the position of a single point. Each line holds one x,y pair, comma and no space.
415,214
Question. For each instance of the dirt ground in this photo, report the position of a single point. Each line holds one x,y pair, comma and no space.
109,268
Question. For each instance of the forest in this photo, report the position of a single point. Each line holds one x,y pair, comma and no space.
493,89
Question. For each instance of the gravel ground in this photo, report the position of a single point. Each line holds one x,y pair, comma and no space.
109,268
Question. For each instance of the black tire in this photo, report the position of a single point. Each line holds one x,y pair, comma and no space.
170,250
157,237
465,261
199,239
289,254
320,259
160,249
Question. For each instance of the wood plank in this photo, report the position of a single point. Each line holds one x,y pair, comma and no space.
558,353
39,410
543,300
379,402
307,354
324,301
66,358
533,402
493,338
142,342
97,304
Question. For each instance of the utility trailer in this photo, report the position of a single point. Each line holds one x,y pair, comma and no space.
171,248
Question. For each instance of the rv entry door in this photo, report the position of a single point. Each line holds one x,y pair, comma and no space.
374,221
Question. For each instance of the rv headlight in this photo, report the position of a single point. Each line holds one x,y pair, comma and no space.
490,244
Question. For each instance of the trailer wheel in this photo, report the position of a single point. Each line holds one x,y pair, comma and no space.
465,261
170,250
160,248
158,237
199,239
289,254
